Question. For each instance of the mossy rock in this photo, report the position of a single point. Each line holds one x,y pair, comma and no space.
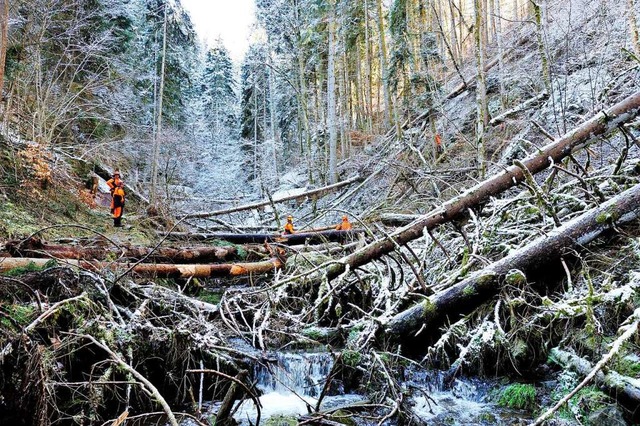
281,421
520,396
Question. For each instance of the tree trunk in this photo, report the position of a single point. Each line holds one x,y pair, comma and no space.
588,132
536,257
633,26
383,65
331,97
622,388
156,139
290,239
159,270
481,87
4,40
314,192
39,249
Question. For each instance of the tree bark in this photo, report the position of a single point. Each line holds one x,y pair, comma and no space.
4,39
313,192
626,389
554,152
39,249
289,239
542,253
159,270
331,97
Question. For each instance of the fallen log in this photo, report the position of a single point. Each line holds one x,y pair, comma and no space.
37,248
290,239
541,254
313,192
600,124
157,270
519,108
397,219
623,388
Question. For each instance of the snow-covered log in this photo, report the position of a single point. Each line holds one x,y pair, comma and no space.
542,254
290,239
601,124
313,192
159,270
624,388
529,103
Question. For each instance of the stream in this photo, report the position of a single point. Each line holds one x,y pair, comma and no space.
291,383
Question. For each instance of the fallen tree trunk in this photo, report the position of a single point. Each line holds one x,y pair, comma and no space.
397,219
291,239
624,388
37,248
554,152
313,192
541,254
519,108
157,270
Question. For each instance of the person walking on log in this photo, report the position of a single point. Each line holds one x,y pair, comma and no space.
113,182
117,204
345,225
288,227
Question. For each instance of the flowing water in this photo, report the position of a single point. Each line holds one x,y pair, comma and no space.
291,384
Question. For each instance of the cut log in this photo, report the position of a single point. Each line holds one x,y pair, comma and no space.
541,254
159,270
291,239
623,388
600,124
313,192
38,248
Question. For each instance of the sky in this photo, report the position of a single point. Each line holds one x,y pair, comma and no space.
230,20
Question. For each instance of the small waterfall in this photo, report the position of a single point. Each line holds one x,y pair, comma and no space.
291,383
302,373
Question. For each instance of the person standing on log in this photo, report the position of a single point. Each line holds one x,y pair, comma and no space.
117,204
288,227
114,181
345,225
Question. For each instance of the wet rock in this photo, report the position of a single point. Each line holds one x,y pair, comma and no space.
609,415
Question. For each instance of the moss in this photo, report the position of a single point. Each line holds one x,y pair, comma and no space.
210,297
608,216
428,308
629,366
516,278
469,291
351,358
486,278
519,396
31,267
281,421
22,315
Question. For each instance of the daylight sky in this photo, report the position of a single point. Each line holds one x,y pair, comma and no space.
229,19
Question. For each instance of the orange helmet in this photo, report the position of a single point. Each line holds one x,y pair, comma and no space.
345,217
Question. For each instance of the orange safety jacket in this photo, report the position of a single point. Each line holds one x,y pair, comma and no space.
288,228
117,202
113,183
344,226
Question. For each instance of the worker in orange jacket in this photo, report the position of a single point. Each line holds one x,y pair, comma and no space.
439,147
113,182
117,204
345,225
288,227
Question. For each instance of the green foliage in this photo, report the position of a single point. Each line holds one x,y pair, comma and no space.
31,267
210,297
281,421
351,358
518,395
22,315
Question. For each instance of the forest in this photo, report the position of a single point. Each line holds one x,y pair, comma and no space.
387,212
